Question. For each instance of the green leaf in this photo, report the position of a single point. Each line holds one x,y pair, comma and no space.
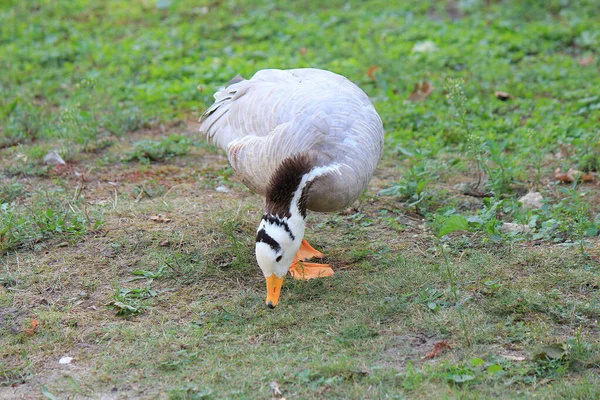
475,219
420,187
553,352
125,309
462,378
591,231
48,395
494,369
476,362
162,4
74,383
452,224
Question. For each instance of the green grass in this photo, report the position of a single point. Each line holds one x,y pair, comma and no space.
150,308
145,151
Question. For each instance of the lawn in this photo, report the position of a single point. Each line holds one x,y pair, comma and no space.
135,258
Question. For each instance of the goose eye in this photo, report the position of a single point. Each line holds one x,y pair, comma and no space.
278,259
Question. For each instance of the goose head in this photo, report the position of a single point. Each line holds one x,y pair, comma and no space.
281,229
277,241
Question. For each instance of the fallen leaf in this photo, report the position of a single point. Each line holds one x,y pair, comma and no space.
563,177
421,91
584,62
587,177
302,50
503,96
573,175
371,71
30,331
160,218
438,348
349,211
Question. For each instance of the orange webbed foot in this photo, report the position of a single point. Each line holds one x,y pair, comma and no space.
306,252
305,270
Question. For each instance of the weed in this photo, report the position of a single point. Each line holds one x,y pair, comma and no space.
571,218
190,392
411,379
129,302
452,224
146,151
150,275
10,191
22,124
590,162
45,218
489,156
411,188
231,228
357,332
455,94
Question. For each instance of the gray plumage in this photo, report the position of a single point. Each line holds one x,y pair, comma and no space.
279,113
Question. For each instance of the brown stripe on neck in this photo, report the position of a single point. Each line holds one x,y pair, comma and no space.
283,184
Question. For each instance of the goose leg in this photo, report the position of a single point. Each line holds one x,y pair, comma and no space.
304,270
306,252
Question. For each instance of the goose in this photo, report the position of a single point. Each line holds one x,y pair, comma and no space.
306,139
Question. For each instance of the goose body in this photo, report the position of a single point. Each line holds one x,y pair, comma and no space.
306,139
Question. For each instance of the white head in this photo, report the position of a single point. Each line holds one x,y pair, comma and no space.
277,241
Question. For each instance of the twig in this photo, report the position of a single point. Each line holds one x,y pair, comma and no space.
143,190
115,201
171,188
461,256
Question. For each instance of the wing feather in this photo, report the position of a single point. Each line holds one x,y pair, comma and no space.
261,121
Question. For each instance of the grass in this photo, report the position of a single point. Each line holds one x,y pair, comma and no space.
146,151
136,257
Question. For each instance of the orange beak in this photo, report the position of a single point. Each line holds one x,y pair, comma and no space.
273,290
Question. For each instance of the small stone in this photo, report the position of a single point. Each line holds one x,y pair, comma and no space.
65,360
502,96
426,46
509,227
532,200
222,189
52,157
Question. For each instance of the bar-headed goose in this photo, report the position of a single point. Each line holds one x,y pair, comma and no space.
306,139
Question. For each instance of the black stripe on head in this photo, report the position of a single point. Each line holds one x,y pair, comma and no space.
264,237
276,221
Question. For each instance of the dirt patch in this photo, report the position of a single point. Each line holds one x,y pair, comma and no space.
407,348
12,319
